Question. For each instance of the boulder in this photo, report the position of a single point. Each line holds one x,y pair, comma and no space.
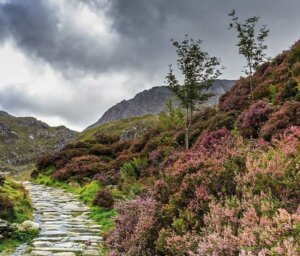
28,226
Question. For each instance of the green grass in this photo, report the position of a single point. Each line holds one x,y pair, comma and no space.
116,127
22,211
86,194
19,197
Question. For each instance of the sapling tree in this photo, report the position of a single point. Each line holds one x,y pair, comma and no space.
251,43
199,71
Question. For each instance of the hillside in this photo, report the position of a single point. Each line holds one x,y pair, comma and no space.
153,101
235,192
128,128
24,138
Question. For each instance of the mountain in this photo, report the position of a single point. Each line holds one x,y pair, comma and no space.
153,101
22,139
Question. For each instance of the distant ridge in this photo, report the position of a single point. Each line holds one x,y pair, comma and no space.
22,139
153,101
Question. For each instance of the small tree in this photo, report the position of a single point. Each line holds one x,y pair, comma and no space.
250,45
199,71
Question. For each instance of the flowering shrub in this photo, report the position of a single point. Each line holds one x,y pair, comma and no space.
251,120
135,228
237,98
287,116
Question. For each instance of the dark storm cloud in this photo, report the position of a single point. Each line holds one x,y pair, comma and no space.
136,43
144,28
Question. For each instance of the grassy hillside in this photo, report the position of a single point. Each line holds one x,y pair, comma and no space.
24,138
118,127
235,192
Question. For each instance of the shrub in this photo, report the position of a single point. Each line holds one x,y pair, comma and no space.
80,167
34,174
289,91
45,161
135,230
237,98
104,199
102,138
286,116
171,119
294,54
2,180
109,177
99,150
251,120
133,168
7,208
223,120
211,141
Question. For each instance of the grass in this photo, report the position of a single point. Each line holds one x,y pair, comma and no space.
22,211
116,127
85,194
19,197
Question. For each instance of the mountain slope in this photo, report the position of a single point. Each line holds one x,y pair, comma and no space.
24,138
153,101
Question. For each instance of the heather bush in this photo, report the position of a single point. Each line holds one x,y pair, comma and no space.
45,161
289,92
223,120
100,150
80,168
104,199
135,230
102,138
6,208
237,98
108,177
212,141
285,117
252,119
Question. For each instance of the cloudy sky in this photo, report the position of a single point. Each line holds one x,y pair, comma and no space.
67,61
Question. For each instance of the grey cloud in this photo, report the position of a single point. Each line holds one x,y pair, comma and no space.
143,29
143,26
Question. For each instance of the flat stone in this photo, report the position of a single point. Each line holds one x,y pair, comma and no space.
91,253
64,254
40,253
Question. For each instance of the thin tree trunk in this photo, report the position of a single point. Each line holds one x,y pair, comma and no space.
187,130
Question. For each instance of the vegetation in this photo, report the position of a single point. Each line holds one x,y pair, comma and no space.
250,45
15,207
234,192
199,71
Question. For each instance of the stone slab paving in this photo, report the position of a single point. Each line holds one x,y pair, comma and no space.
66,229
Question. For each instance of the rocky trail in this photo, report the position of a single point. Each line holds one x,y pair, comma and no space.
66,228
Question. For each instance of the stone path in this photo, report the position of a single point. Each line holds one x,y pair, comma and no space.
66,228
